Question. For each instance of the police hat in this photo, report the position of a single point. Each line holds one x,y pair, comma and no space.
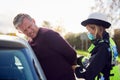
97,19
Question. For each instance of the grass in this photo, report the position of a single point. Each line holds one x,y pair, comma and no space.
118,59
115,69
83,53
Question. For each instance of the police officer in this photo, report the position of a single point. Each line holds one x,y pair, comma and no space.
102,56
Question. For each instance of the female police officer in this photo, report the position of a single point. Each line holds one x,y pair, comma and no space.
102,59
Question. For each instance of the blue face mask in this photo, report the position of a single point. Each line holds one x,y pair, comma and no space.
90,36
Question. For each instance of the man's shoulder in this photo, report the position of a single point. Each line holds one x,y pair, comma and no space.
46,31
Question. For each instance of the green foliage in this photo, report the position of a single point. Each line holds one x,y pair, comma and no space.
73,39
76,41
117,39
116,71
118,59
110,7
83,53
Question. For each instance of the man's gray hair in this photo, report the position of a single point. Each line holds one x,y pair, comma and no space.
19,19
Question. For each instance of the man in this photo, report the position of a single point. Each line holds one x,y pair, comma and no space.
56,56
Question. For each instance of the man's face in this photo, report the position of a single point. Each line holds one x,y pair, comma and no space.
28,27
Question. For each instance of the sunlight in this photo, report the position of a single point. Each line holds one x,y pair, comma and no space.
68,14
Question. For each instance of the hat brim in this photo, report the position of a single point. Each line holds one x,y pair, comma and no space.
97,22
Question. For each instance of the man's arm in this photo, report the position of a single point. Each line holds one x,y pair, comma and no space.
58,44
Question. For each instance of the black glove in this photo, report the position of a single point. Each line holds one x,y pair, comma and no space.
83,61
79,60
79,72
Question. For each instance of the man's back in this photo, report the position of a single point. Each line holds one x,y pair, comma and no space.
55,55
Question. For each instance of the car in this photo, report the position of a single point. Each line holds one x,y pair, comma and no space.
18,61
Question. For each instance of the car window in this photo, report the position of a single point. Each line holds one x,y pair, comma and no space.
14,65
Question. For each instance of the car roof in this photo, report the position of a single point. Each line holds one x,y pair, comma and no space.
12,41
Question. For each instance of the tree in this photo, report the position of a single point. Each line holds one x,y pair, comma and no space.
109,7
1,33
75,40
117,38
59,29
112,9
46,24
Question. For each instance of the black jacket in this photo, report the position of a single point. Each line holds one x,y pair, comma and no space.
100,60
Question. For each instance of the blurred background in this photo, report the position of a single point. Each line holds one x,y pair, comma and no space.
63,16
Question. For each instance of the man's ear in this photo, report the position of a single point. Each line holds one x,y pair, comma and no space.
20,31
33,21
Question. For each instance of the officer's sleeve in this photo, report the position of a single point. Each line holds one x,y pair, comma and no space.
98,62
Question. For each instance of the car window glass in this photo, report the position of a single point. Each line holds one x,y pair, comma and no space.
14,65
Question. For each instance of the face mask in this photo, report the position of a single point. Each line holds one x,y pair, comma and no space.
90,36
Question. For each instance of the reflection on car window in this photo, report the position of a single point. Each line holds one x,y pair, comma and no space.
37,70
14,66
18,63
